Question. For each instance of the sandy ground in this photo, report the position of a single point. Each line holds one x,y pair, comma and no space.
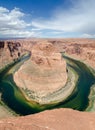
5,113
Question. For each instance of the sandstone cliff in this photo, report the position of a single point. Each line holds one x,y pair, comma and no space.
81,48
58,119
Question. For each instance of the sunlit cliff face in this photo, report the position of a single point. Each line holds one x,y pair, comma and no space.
45,54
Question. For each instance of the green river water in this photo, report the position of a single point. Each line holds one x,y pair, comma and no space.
14,98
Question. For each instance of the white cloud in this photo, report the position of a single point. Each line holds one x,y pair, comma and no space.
88,35
56,32
78,18
13,25
3,10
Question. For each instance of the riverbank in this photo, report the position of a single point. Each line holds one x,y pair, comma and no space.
5,112
74,94
65,91
58,95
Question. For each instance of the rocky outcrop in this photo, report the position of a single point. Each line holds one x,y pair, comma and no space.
44,73
45,55
58,119
9,52
14,47
2,44
80,48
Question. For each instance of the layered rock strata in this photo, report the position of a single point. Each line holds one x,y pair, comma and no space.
44,72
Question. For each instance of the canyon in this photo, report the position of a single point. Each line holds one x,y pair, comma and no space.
48,73
80,48
43,73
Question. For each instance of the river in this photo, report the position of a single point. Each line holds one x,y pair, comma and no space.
77,98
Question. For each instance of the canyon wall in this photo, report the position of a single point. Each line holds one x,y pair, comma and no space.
58,119
83,49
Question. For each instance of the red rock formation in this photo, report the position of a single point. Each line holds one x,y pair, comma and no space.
58,119
45,54
80,48
44,73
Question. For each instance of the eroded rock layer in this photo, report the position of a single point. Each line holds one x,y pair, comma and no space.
44,72
77,47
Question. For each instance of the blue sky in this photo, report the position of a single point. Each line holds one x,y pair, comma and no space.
47,18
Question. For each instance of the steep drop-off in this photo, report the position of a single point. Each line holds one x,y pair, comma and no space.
57,119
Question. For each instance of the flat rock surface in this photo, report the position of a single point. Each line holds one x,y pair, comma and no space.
58,119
